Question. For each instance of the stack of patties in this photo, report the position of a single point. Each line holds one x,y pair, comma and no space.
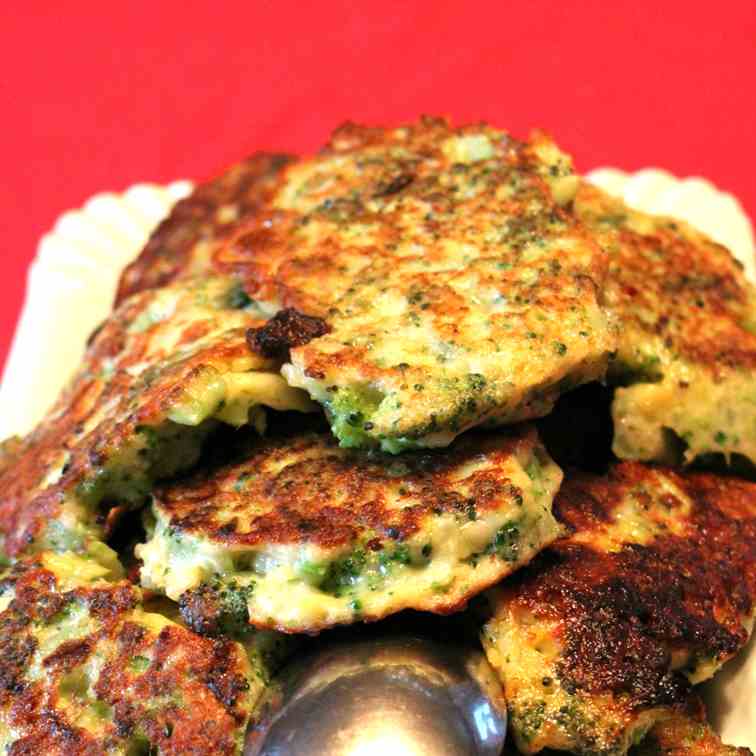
315,404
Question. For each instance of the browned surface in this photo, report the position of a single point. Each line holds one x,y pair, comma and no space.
306,489
686,733
184,241
407,213
355,536
105,407
189,696
672,283
433,253
626,611
597,639
297,250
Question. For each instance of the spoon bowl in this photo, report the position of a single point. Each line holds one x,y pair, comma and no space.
399,696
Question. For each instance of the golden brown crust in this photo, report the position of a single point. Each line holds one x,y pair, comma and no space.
655,587
644,602
308,490
183,243
463,230
685,732
440,257
687,342
120,682
673,284
157,347
294,251
303,535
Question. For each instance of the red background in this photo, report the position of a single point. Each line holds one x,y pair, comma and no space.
101,95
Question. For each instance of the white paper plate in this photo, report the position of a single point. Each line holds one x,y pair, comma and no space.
73,279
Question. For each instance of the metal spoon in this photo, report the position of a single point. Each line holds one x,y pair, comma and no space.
394,696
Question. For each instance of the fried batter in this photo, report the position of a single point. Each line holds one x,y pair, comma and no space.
303,534
687,345
685,732
165,367
456,290
87,671
652,591
183,244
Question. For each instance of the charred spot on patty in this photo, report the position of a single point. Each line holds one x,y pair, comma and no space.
286,329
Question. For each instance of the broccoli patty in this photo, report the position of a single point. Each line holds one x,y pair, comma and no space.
687,339
455,289
652,591
183,244
163,370
302,535
86,670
